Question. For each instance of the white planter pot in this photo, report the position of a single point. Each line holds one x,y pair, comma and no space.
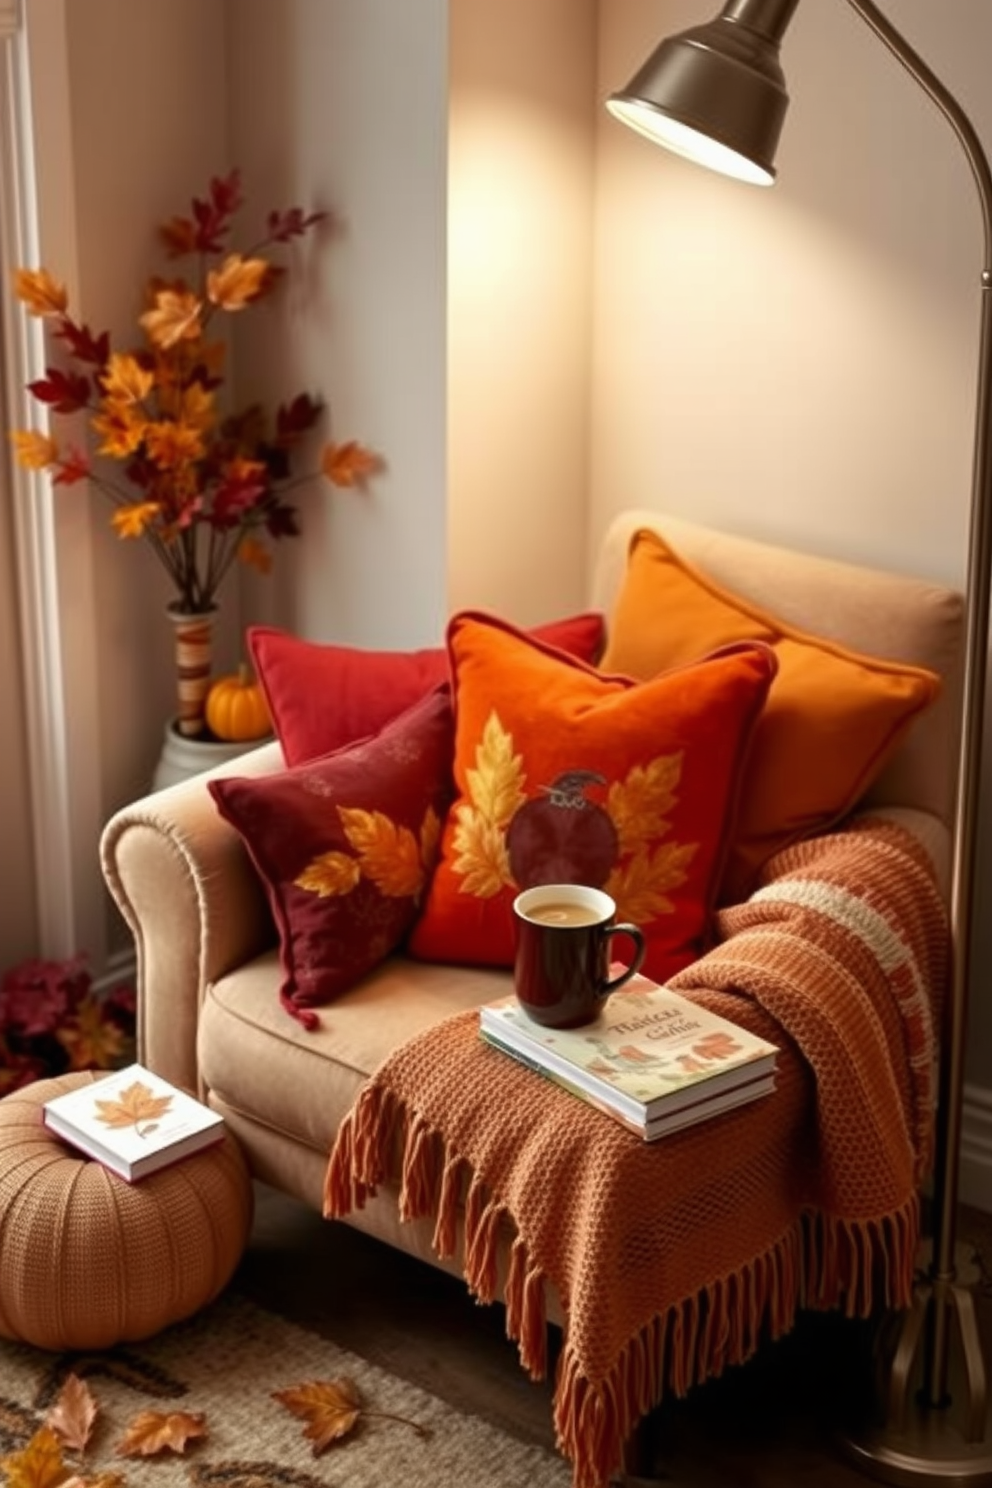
181,757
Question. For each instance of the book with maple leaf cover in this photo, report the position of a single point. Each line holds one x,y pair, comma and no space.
649,1054
133,1122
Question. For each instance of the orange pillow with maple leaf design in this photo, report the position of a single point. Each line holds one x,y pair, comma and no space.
345,846
564,774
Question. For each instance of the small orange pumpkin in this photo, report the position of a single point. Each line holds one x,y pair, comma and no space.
236,708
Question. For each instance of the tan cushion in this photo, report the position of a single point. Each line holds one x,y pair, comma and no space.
866,609
302,1082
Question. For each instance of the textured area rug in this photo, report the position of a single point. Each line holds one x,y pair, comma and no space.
225,1364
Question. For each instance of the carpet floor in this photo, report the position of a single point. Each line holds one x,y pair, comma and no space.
316,1301
771,1424
224,1365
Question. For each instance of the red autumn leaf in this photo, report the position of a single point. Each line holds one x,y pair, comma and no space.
291,224
295,418
235,496
225,193
212,218
280,520
82,343
66,392
179,237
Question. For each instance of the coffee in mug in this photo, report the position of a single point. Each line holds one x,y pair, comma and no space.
564,936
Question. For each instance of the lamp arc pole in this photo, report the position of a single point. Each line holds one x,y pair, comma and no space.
723,82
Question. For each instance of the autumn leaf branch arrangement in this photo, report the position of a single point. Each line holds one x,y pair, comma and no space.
55,1456
201,486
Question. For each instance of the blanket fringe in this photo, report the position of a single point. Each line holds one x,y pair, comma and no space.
820,1262
861,1266
358,1162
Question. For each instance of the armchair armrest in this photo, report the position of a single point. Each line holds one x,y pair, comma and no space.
183,881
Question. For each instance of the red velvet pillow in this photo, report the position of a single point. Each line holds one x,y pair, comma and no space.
345,846
322,696
564,774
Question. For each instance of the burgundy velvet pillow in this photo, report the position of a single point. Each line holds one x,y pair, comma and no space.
322,696
345,846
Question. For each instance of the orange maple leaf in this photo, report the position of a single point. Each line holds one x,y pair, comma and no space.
174,317
329,875
42,294
125,380
134,1105
154,1432
39,1464
481,861
389,854
73,1414
33,451
331,1408
91,1040
255,554
237,282
348,464
133,519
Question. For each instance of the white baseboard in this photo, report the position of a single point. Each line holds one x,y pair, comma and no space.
975,1176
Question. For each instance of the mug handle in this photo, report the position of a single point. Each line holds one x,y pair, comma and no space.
639,949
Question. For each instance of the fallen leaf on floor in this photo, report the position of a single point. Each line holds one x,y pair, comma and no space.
39,1464
153,1432
73,1414
331,1408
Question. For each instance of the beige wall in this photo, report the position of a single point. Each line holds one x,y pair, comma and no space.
342,105
798,364
520,202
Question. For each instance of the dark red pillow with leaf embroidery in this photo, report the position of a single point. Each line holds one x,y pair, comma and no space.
321,697
345,846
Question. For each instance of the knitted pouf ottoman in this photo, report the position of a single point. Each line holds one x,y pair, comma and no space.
87,1260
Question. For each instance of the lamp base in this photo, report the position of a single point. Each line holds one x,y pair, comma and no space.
918,1444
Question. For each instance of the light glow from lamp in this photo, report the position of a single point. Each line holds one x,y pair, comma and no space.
724,79
691,144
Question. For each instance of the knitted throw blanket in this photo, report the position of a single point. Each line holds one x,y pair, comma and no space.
676,1258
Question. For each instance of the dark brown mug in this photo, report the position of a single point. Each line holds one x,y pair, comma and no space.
564,933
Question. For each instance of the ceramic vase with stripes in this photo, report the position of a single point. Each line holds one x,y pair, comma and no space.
193,637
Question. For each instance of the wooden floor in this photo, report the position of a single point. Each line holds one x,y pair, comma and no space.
776,1423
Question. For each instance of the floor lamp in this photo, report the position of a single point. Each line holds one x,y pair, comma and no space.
716,94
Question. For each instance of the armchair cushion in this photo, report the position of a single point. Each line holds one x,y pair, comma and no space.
564,774
834,716
321,697
345,845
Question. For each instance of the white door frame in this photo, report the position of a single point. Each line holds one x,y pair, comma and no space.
53,548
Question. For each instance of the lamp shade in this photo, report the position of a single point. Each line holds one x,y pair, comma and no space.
714,93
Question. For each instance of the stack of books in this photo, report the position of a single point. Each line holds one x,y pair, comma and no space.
653,1059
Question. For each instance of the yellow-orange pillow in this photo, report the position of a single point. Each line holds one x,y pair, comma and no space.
832,719
563,774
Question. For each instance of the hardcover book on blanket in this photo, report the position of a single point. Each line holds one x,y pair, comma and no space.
811,1194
